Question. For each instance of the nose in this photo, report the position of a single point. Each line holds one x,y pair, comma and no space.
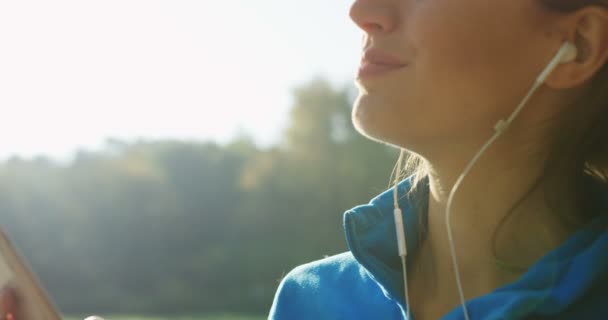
374,16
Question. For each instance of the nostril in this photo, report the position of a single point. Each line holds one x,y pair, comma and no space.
371,27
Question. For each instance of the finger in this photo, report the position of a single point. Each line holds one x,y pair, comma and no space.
8,300
9,303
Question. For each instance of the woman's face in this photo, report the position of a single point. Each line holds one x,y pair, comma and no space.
469,64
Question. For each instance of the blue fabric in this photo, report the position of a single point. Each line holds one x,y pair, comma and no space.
569,282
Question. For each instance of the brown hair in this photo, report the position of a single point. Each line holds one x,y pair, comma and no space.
579,149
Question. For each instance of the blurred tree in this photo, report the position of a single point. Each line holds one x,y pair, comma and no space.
178,227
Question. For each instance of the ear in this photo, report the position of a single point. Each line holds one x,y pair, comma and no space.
588,30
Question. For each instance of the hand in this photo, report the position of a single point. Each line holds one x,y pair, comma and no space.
9,304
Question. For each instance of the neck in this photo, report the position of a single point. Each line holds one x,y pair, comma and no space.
500,184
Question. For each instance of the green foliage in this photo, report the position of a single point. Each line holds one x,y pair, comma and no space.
170,226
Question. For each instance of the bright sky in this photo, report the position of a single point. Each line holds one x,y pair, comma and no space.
75,72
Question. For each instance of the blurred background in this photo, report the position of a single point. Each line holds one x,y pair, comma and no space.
175,159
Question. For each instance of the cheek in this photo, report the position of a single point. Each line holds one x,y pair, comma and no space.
464,61
464,73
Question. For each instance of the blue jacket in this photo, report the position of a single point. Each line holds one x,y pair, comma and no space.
569,282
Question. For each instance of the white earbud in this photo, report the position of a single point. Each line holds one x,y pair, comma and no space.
570,52
565,54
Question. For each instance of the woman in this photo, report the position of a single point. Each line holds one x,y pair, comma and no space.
529,220
527,235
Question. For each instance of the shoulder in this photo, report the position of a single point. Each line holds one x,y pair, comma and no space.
323,285
313,276
332,268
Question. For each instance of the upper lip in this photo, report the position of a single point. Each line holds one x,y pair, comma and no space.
377,56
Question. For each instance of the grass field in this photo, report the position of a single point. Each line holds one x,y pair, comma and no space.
201,317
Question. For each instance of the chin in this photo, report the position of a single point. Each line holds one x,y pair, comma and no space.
383,123
375,123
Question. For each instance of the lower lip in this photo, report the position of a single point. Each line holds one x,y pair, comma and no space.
370,69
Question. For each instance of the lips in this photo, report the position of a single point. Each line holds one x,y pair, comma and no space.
372,69
379,57
376,62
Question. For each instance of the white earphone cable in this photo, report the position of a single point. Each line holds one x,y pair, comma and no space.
565,54
500,127
400,232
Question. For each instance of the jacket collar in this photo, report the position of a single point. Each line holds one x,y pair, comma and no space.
555,281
